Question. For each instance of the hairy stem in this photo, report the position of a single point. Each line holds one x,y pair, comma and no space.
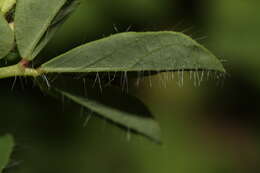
18,70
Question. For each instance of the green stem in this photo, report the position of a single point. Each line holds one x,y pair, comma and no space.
18,70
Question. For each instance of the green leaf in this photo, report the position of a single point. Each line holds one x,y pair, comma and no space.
122,109
6,37
66,11
61,17
111,103
6,147
32,19
6,5
131,51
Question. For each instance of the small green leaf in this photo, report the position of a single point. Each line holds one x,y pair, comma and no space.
66,11
126,111
6,5
148,51
61,17
6,37
6,147
32,19
111,103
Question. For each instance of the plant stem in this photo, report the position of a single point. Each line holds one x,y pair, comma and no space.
18,70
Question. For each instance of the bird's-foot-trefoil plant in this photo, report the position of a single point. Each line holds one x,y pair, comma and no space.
26,26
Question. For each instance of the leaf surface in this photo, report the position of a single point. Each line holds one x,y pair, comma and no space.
32,19
60,18
131,51
6,147
6,37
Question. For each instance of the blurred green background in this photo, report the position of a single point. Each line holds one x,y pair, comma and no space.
207,128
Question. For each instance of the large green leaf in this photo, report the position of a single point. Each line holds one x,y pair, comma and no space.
120,108
32,19
6,37
6,147
131,51
61,17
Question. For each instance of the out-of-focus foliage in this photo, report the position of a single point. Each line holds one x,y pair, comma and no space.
234,32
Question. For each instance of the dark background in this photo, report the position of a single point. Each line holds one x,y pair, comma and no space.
209,128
